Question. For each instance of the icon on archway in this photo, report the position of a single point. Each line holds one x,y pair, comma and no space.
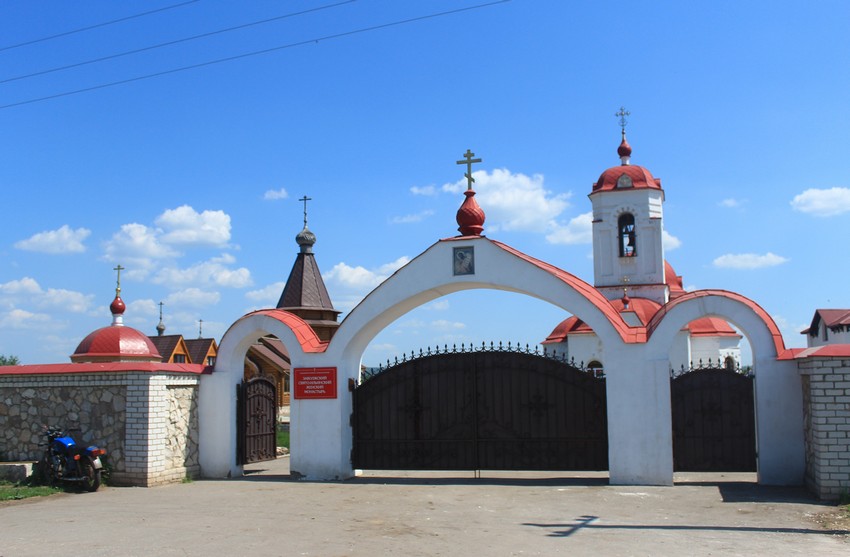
464,261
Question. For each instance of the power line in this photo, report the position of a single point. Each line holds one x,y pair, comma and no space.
257,53
170,43
96,25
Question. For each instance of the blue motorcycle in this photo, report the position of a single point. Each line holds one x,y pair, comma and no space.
65,461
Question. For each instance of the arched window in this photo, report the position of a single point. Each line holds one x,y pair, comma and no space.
628,242
730,364
595,367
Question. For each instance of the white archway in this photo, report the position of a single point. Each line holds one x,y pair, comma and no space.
778,388
324,452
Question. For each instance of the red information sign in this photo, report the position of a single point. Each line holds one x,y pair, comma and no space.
314,382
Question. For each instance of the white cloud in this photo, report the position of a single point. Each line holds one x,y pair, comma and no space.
362,279
272,195
578,231
823,203
186,226
408,219
137,247
351,284
26,285
212,272
22,319
515,201
443,325
267,296
439,305
27,290
193,297
143,307
67,300
749,261
670,242
424,190
732,203
62,240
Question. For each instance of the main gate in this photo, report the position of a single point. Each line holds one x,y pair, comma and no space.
713,421
488,408
256,421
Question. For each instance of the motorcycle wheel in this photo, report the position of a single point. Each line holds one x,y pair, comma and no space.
46,471
91,475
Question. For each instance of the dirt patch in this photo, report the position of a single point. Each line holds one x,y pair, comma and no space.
837,518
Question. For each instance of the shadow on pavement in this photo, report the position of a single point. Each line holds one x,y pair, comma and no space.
589,522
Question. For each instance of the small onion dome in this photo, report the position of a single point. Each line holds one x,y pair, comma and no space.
117,307
626,300
305,239
470,217
644,308
626,176
624,150
116,343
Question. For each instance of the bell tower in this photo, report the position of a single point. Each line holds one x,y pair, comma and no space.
628,251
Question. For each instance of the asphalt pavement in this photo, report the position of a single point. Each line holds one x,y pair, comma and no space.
412,514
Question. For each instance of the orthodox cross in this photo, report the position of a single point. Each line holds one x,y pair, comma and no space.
160,310
625,280
119,268
200,328
622,114
468,162
305,199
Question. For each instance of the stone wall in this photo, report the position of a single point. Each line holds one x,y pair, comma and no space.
826,393
147,422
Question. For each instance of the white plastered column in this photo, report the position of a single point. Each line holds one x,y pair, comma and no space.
640,436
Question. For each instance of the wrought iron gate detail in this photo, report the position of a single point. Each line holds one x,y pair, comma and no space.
257,421
713,413
486,409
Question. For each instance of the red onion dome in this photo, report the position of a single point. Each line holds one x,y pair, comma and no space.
470,217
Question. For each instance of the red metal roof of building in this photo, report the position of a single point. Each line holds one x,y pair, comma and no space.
116,342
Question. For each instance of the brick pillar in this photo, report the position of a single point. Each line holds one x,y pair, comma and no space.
826,393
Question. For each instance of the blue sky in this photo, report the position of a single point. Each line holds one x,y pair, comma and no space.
190,180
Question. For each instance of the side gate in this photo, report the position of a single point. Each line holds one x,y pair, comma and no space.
713,411
481,409
256,415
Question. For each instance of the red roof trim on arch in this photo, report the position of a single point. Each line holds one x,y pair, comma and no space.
778,342
303,332
630,335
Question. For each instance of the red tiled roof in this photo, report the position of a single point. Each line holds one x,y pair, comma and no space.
831,317
641,179
711,326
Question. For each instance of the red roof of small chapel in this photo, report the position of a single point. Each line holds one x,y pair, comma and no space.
117,342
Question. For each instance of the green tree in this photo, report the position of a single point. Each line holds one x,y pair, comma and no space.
9,360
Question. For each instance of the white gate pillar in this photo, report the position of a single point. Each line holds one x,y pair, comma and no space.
640,435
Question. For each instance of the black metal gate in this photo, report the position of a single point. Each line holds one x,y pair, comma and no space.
713,421
489,408
257,421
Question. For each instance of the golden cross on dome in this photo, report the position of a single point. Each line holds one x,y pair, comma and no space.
305,199
468,162
622,114
119,268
